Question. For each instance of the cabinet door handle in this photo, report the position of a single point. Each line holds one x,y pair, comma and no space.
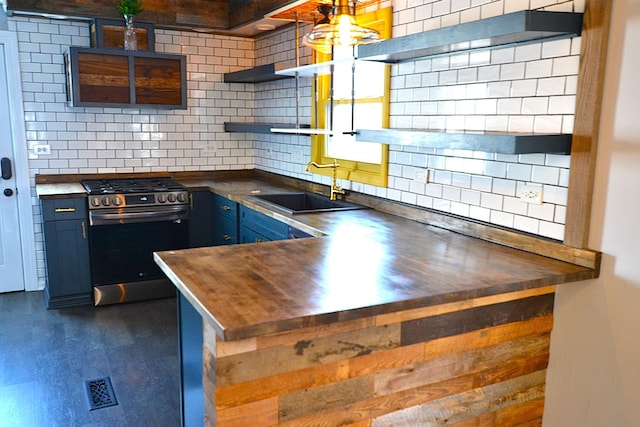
191,201
226,208
226,237
61,210
259,240
84,230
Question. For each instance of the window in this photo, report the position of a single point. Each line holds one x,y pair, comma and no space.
360,102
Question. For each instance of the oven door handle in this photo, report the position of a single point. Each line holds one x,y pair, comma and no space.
177,213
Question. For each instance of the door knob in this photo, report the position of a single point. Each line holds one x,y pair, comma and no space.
5,168
8,192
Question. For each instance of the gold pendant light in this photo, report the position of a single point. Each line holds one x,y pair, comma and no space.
341,30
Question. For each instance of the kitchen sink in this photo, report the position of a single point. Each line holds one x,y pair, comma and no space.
298,203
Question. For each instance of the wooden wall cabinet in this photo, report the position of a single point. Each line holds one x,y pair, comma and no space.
119,78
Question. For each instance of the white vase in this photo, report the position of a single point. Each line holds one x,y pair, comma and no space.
130,38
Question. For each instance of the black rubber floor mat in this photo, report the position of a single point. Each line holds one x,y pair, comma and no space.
100,393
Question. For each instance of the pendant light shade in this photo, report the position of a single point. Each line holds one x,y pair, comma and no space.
341,30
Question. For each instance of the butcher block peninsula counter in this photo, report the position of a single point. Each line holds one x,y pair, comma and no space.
380,321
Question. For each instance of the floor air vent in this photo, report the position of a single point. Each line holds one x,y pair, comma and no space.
100,393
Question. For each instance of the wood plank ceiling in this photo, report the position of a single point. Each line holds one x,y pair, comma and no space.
214,15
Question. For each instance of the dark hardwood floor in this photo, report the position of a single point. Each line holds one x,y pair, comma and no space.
47,355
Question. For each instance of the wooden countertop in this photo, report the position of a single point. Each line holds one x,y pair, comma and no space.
368,263
61,190
363,263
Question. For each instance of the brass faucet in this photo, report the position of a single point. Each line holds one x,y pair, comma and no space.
335,188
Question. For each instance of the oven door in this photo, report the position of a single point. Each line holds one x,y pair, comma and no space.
122,266
124,252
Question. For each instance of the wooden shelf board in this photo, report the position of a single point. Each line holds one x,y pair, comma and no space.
259,74
490,142
259,127
517,27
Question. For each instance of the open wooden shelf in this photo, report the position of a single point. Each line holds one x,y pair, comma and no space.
517,27
490,142
259,74
258,127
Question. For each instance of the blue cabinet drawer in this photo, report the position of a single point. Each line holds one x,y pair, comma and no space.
226,232
225,208
264,225
248,235
62,209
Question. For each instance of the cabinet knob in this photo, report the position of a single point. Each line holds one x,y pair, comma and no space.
226,208
226,237
8,192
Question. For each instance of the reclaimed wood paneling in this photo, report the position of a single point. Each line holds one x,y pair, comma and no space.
430,328
486,366
211,14
103,78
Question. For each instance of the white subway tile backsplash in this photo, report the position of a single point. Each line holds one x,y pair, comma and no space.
526,224
504,186
562,104
567,65
502,218
479,213
545,175
522,88
495,169
551,230
528,52
515,206
539,69
516,70
530,87
519,172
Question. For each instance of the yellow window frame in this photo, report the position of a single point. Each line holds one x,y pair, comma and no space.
368,173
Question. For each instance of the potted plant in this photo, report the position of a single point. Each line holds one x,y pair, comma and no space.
129,9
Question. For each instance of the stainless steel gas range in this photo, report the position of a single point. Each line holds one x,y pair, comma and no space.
129,219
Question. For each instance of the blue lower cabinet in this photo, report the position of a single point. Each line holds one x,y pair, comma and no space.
67,249
257,227
191,364
200,227
248,235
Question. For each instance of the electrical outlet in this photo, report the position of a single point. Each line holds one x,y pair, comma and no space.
531,194
39,149
421,176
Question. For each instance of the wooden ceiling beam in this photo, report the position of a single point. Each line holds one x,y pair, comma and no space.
245,11
211,14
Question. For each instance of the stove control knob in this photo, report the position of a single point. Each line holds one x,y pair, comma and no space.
106,201
172,198
95,201
117,201
162,198
182,197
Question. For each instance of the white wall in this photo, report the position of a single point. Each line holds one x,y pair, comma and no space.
594,372
524,88
519,89
103,140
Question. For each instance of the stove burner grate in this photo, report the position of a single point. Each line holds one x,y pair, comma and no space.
136,185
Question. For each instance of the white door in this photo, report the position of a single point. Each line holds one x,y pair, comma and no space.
11,266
